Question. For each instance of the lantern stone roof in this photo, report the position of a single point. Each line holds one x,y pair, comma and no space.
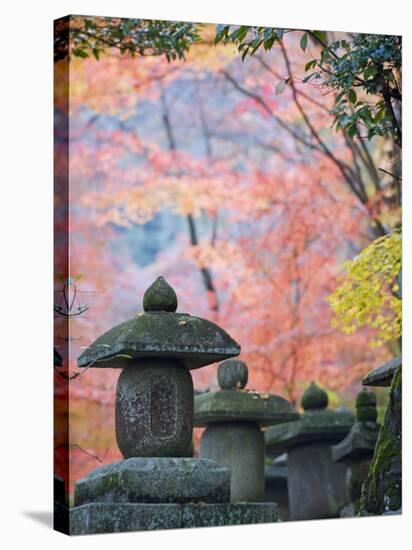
361,440
359,443
382,376
316,423
233,403
161,332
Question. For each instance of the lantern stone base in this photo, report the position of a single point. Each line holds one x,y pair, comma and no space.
116,517
140,494
101,517
155,480
239,513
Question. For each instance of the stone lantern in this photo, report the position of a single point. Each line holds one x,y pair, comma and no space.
316,484
156,486
357,449
233,437
156,349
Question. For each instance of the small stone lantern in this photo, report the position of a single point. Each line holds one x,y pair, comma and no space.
316,484
357,449
233,437
156,486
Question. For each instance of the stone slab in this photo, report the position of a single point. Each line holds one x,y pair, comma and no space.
97,518
359,443
115,517
242,406
155,480
313,426
383,375
212,515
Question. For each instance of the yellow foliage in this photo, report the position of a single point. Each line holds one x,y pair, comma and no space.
367,293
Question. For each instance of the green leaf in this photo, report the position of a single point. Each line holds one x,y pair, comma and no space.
78,52
221,32
255,44
352,130
320,35
268,43
352,96
310,65
304,41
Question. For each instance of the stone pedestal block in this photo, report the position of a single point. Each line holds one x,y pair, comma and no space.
239,446
155,480
154,409
240,513
106,517
120,517
316,484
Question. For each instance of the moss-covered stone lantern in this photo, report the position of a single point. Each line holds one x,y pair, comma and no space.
316,484
156,486
233,417
156,350
357,449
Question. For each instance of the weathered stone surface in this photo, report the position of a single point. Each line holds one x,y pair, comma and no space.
327,425
382,491
315,424
240,447
155,480
348,511
276,485
359,443
154,409
119,517
209,515
316,484
382,376
366,406
314,398
355,477
232,374
233,438
160,296
243,406
195,342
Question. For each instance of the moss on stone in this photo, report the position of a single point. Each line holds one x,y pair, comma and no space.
382,490
314,398
365,398
194,341
160,296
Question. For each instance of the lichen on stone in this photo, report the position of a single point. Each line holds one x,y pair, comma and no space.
382,491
